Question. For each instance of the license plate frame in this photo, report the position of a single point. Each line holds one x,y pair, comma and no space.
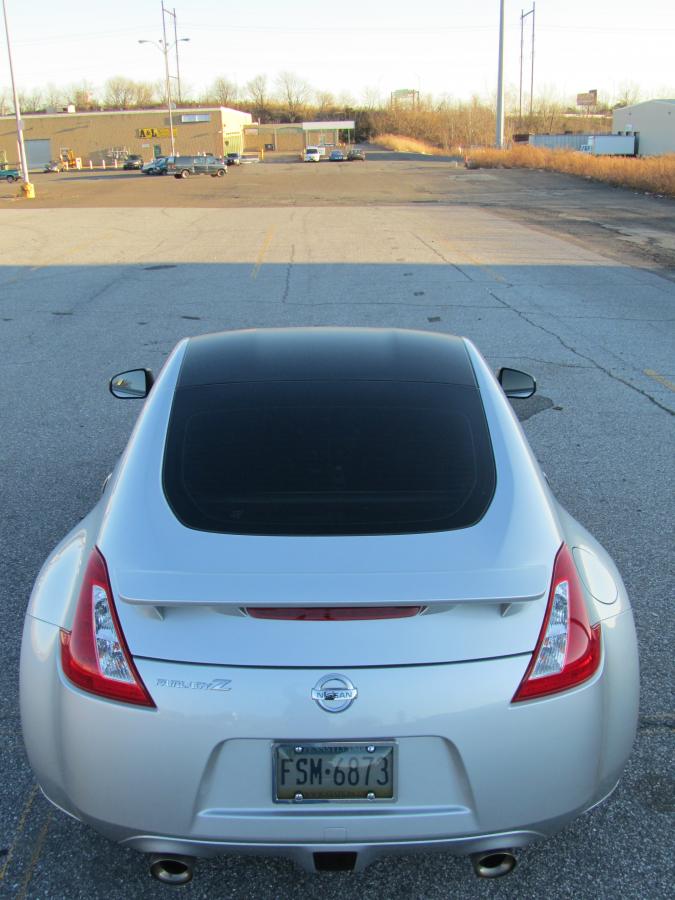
333,748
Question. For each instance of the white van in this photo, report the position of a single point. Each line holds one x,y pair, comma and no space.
312,154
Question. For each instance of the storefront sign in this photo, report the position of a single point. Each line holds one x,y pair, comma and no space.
155,132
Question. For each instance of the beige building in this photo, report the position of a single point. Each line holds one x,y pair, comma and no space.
287,138
109,136
654,123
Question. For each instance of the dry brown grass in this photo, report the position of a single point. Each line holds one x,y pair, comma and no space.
412,145
655,174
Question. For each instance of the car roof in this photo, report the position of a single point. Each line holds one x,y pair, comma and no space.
325,354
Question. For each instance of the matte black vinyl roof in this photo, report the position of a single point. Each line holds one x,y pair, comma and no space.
325,354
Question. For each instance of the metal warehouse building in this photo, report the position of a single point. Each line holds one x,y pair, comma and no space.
109,136
653,121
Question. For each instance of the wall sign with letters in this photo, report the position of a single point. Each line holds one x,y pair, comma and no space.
155,132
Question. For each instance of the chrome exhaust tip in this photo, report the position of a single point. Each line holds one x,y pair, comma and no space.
493,864
172,869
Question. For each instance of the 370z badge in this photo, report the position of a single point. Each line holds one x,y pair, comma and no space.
217,684
334,693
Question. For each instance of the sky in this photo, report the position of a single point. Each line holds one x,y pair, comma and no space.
439,47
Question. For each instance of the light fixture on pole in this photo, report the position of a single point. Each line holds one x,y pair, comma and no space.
165,48
27,186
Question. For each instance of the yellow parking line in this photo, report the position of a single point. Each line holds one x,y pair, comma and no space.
19,829
263,251
660,378
39,844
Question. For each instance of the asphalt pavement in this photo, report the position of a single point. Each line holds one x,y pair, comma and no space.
90,290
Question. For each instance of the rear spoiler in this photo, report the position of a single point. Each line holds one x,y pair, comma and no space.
232,591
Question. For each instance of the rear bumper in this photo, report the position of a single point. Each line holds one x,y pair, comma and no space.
303,855
194,776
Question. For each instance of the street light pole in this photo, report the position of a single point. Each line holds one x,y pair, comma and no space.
165,48
17,110
175,43
499,141
168,82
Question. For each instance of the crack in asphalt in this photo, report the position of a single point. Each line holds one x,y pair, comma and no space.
657,722
441,256
581,355
287,281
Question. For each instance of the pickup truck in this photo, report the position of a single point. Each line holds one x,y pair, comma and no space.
9,175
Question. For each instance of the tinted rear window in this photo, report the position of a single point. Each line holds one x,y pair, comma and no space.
328,458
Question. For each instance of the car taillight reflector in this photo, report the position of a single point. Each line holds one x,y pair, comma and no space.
568,650
94,656
332,613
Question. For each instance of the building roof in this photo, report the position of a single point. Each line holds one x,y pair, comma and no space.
333,125
659,101
128,112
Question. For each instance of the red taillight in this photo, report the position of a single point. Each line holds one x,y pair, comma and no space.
568,651
332,613
94,656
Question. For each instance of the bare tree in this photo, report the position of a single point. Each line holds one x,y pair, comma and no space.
629,94
82,95
294,93
54,96
144,94
256,89
223,92
372,98
325,102
6,105
120,92
346,100
31,101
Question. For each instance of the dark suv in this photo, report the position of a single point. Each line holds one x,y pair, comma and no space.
184,166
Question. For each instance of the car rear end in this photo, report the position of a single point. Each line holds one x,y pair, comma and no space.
180,166
325,676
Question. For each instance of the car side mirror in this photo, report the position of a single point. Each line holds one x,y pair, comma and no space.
132,385
515,384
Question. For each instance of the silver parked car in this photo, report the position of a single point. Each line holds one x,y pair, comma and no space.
327,607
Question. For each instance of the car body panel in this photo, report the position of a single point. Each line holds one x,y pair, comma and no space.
211,571
156,166
469,762
475,772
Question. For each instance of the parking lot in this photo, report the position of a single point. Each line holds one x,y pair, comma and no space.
572,281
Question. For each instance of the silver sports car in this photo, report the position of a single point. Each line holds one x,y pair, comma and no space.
327,608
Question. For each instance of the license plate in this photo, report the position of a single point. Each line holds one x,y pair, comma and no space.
323,771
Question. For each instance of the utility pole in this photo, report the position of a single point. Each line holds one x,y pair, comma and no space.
165,51
523,16
172,13
532,70
165,48
27,186
175,43
499,140
520,90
